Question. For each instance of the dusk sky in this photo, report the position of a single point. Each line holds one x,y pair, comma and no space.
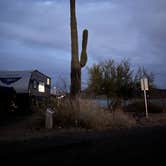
35,34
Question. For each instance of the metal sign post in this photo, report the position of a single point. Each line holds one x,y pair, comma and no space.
144,87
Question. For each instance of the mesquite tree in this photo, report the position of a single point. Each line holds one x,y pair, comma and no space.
76,62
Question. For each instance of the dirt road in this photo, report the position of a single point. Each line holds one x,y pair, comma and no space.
134,146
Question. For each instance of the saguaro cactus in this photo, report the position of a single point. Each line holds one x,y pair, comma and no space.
76,62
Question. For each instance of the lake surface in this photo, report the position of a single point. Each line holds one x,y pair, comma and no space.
101,102
159,102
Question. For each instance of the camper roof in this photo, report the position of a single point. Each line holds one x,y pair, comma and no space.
19,80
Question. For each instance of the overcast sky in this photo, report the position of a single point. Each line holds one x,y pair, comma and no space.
35,34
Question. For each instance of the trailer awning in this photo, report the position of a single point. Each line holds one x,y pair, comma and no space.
19,80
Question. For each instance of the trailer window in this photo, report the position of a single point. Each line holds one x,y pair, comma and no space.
48,81
35,84
41,87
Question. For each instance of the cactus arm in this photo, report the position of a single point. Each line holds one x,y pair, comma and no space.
83,59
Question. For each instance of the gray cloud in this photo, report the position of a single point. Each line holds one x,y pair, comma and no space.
117,29
34,22
130,29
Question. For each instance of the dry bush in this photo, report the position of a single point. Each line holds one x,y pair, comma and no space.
65,114
139,107
122,119
91,115
88,114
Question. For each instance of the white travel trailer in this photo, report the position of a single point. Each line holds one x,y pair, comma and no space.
27,84
33,82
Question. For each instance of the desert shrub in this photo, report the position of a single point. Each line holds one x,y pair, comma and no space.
122,119
65,114
139,107
87,115
92,116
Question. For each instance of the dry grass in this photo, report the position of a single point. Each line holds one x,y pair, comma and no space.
122,119
92,116
88,114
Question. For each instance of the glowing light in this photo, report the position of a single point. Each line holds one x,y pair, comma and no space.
48,81
41,87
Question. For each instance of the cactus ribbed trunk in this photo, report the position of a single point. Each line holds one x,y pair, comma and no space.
75,66
75,81
76,63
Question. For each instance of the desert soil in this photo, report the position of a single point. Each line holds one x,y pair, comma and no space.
141,144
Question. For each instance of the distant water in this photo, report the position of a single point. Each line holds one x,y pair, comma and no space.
159,102
101,102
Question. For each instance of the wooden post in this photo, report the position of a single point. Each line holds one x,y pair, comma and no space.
144,87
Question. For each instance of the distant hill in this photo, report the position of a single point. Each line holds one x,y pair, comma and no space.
157,93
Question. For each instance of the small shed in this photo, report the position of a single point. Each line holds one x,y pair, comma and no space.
27,84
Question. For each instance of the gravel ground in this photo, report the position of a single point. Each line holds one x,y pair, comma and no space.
31,127
138,145
144,143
